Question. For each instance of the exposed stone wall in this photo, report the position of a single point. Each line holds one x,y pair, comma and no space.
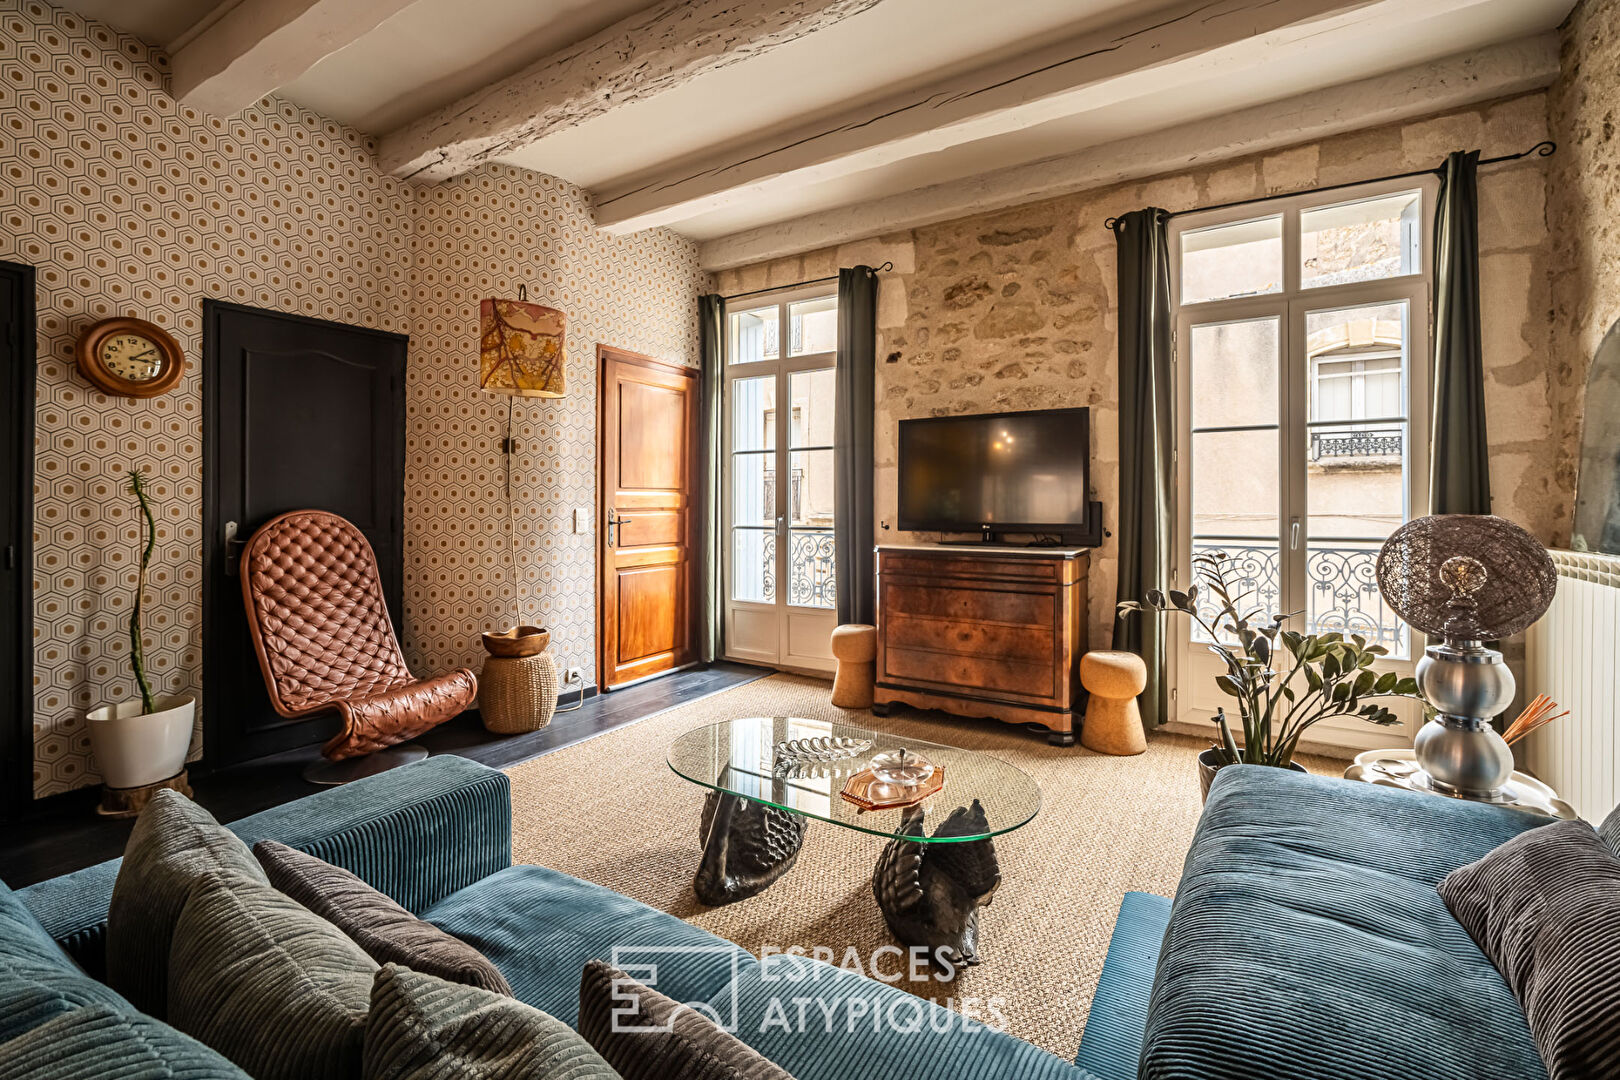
1017,309
1584,215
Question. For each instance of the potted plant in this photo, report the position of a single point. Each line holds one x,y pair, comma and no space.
1265,666
141,742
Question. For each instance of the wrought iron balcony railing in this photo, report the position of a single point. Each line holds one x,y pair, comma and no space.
812,575
1348,444
1341,586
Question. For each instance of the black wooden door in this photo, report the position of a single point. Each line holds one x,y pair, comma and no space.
298,414
16,535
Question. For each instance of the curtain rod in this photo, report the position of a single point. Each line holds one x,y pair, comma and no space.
1544,148
796,284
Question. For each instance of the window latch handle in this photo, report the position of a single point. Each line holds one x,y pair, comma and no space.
1293,535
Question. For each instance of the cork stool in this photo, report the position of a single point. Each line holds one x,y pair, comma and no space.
854,645
1113,723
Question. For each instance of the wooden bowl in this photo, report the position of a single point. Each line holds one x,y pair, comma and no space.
517,642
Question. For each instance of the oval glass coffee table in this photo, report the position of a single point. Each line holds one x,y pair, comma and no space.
768,776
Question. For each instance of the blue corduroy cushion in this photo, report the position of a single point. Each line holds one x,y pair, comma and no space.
1111,1046
540,926
1307,940
820,1022
38,981
416,833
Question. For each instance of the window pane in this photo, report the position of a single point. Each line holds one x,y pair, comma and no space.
1253,576
753,489
813,394
813,325
753,413
754,335
1361,241
812,488
1234,476
811,573
1224,261
1357,359
1341,588
1234,373
753,565
1357,467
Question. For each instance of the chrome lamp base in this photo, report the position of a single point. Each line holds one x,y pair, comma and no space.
1462,754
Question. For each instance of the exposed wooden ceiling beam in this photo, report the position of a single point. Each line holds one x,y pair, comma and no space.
260,45
636,58
1089,71
1451,83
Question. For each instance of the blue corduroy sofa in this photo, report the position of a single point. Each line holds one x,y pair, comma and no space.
1306,940
436,836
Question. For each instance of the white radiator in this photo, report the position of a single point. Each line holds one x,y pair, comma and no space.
1573,656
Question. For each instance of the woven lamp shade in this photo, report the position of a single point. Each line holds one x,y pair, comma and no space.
1473,577
520,348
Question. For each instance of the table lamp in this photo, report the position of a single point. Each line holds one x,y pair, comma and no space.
1465,579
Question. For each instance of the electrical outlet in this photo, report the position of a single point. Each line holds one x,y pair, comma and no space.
573,675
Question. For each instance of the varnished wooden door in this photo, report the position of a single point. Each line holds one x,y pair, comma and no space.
646,446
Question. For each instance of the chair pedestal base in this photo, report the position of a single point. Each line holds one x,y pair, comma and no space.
331,773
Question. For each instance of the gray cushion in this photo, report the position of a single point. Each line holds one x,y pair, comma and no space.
174,842
38,980
110,1044
1610,831
1545,907
424,1028
272,986
647,1036
387,932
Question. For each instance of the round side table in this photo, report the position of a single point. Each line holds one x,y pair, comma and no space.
1399,769
518,694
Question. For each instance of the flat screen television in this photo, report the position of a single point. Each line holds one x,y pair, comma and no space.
1022,472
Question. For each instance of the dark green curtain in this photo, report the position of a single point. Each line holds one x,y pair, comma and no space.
1459,466
1144,442
711,379
853,410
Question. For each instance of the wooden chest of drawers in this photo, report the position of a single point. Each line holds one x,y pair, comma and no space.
983,631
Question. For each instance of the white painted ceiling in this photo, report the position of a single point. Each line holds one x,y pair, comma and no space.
1150,100
434,52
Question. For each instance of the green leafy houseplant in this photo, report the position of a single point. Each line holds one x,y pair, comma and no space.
1276,710
137,654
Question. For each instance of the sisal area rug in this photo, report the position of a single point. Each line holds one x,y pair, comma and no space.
610,811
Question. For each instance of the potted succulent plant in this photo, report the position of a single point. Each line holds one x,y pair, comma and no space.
1283,681
143,741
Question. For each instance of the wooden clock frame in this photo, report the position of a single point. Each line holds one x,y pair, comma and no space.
90,364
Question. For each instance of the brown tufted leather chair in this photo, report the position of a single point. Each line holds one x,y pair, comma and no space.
320,628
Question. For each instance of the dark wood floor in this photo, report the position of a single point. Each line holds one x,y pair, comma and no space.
63,834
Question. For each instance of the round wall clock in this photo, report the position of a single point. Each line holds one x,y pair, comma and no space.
130,358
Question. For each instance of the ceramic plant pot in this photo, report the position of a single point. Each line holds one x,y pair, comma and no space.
135,748
1207,769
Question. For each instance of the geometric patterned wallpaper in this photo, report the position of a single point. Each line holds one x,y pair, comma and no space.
484,234
127,203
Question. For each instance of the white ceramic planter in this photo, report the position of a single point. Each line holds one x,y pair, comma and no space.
133,748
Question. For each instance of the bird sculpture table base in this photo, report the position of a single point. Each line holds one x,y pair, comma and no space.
929,893
747,846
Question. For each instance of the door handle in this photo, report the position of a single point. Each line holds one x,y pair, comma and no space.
233,548
614,519
1293,536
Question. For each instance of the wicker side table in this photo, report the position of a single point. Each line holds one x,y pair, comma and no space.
518,694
